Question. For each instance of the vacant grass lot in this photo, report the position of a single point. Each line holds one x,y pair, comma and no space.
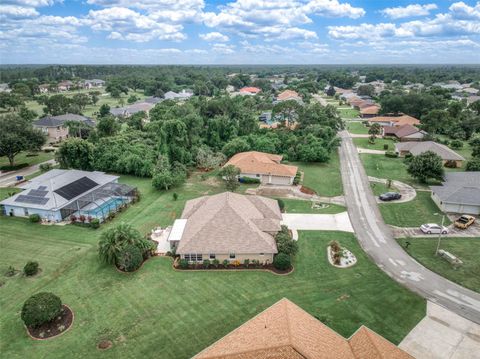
160,312
324,178
299,206
377,145
468,275
28,157
356,127
348,112
413,213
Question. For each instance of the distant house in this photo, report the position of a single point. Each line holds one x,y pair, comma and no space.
5,88
266,117
369,111
180,96
65,85
286,331
58,194
394,120
249,91
134,108
44,88
88,84
55,128
227,226
417,148
264,166
289,95
459,193
404,133
472,99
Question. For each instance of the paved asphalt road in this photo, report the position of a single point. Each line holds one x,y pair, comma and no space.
7,179
377,240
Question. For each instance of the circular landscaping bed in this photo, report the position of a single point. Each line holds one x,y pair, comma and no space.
59,325
340,257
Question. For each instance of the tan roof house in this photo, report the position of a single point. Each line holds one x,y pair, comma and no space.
369,111
286,331
264,166
227,226
289,95
416,148
405,132
395,120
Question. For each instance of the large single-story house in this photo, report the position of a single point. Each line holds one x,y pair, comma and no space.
129,110
227,226
249,90
88,84
459,193
416,148
404,133
286,331
288,95
64,85
54,126
178,96
264,166
58,194
369,111
394,120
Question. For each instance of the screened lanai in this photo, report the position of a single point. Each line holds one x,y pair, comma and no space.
101,201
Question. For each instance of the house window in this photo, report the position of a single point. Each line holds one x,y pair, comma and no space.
25,211
261,254
192,257
199,258
232,255
212,256
258,175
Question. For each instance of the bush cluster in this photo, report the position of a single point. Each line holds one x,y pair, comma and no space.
34,218
31,268
130,258
391,154
282,261
41,308
249,180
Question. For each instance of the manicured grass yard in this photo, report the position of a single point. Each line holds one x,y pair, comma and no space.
413,213
299,206
377,145
356,127
348,112
160,312
468,275
30,158
324,178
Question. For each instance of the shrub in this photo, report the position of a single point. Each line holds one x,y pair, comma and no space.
256,263
206,263
236,263
385,146
216,263
10,272
246,263
41,308
391,154
95,223
183,263
44,167
175,196
282,261
451,164
281,204
249,180
14,167
225,263
456,144
297,178
473,165
285,243
48,150
73,218
34,218
31,268
130,258
82,218
335,246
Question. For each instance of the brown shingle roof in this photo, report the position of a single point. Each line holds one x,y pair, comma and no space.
288,95
370,110
254,162
285,330
230,223
397,120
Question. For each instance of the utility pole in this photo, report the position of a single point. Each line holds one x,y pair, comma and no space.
440,235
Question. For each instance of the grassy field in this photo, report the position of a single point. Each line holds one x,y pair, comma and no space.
299,206
413,213
468,275
377,145
158,310
348,112
356,127
28,157
324,178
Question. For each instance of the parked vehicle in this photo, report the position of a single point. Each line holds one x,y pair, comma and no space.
464,221
433,228
390,196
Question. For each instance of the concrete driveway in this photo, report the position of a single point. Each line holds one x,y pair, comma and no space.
443,334
408,192
317,222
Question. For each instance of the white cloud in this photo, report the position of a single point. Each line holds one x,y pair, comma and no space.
408,11
214,36
333,8
223,49
17,12
460,10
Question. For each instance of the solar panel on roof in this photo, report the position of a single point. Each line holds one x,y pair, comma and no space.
31,199
76,188
42,188
37,193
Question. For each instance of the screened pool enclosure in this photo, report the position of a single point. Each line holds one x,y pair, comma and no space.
100,202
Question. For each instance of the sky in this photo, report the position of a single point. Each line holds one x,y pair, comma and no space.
239,32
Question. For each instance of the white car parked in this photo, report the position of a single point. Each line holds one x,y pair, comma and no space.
433,228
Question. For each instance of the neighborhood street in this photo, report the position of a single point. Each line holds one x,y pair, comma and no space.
8,179
377,240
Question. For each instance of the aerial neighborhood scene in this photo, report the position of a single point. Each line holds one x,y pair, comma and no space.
240,179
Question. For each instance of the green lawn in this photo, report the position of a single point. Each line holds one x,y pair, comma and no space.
299,206
32,158
348,112
468,275
413,213
324,178
158,311
377,145
356,127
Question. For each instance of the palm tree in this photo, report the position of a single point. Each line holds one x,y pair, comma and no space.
116,238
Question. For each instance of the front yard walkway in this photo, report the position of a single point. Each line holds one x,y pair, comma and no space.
443,334
322,222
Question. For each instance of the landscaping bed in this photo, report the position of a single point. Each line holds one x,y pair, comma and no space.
231,267
54,328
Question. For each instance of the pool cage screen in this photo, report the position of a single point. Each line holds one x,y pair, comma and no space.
101,201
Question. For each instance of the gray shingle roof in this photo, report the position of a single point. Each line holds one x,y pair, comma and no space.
54,121
416,148
459,188
230,223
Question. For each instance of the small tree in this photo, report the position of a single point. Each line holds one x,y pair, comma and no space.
31,268
41,308
374,131
425,166
331,91
282,261
129,258
285,243
230,174
473,165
